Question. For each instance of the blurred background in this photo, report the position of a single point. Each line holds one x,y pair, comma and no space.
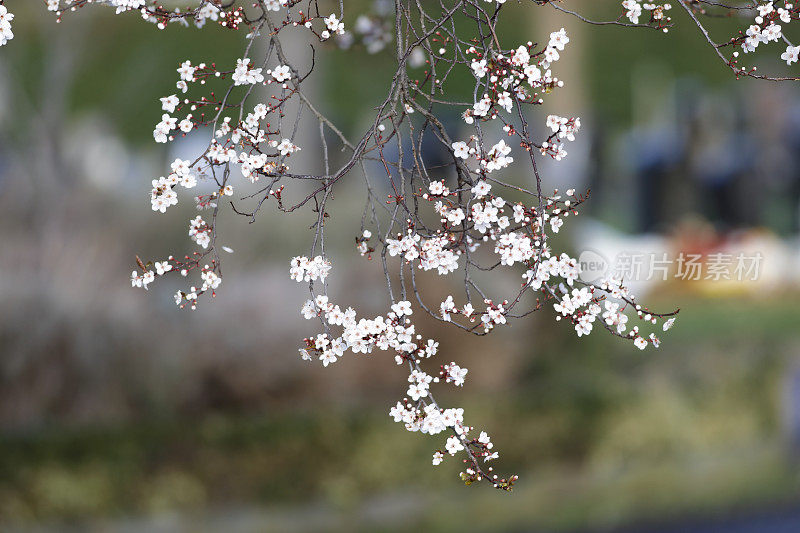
118,412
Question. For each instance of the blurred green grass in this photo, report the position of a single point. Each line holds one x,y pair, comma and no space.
601,434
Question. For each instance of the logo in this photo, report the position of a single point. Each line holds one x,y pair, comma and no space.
594,266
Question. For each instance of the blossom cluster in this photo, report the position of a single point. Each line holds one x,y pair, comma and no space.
5,25
519,234
562,128
150,271
516,76
767,28
634,8
472,218
765,22
307,270
394,332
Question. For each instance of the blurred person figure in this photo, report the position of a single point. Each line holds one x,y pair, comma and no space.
659,148
791,185
722,162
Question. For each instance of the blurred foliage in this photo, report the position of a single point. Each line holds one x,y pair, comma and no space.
124,78
121,79
600,434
